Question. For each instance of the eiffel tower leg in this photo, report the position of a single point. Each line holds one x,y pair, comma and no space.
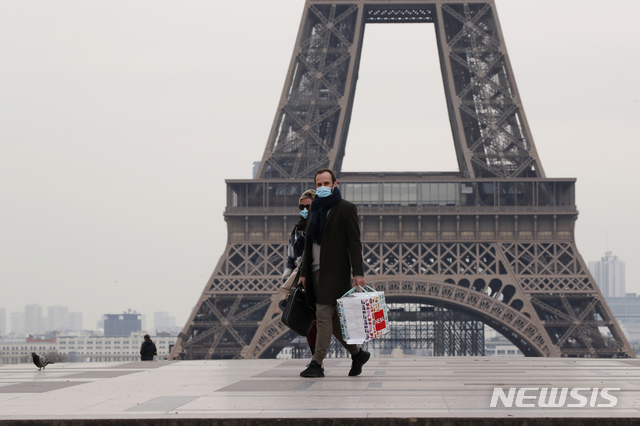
240,294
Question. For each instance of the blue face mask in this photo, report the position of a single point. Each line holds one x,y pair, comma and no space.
323,191
304,213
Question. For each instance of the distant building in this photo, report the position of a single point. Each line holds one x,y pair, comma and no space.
76,321
162,321
111,349
33,319
17,323
58,318
122,324
609,274
500,346
143,322
3,322
17,351
626,310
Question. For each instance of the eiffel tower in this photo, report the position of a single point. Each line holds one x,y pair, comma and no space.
494,240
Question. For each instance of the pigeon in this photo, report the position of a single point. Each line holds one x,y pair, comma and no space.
40,361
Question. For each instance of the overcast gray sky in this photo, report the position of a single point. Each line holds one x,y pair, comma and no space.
120,121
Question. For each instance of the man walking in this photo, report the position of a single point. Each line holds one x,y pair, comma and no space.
332,255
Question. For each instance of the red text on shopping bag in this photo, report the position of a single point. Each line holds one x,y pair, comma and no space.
379,318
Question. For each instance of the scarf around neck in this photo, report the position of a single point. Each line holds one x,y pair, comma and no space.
319,209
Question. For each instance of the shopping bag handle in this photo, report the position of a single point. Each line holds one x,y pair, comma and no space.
353,289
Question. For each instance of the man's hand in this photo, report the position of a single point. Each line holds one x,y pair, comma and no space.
358,281
302,282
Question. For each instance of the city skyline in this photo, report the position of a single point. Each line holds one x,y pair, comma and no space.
121,123
60,319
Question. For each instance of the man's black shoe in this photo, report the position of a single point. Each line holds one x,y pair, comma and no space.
358,360
313,370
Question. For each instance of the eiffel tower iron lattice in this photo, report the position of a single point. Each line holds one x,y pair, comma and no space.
494,240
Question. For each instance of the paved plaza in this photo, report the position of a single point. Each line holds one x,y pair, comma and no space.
389,388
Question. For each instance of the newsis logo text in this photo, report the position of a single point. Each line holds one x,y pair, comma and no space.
553,397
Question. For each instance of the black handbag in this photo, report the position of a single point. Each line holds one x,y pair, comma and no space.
296,314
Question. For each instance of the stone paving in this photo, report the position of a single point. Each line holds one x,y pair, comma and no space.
390,388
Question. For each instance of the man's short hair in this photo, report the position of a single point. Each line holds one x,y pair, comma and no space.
146,336
333,175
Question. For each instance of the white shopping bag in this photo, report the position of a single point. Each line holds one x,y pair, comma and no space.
363,316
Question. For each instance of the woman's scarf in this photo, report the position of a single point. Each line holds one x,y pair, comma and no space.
319,209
